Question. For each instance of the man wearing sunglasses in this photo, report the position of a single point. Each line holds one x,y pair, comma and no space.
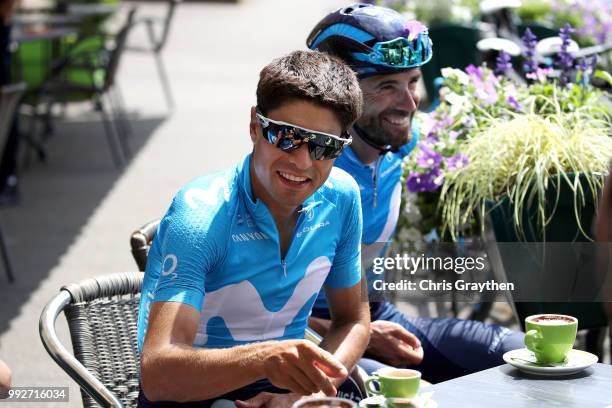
386,52
241,255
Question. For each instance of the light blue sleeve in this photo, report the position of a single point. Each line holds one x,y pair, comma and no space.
187,251
346,268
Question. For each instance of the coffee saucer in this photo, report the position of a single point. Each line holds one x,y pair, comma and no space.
423,400
524,360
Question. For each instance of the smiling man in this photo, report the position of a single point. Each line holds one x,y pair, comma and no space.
241,255
386,51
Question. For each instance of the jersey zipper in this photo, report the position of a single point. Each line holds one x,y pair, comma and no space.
375,177
283,260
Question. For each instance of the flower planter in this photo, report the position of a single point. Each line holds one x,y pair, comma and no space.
545,278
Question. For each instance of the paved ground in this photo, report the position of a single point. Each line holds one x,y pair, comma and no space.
77,211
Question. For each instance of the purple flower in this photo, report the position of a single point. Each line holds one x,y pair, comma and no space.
540,74
565,61
468,121
485,85
414,28
427,182
529,41
514,103
586,69
503,63
457,162
440,123
475,72
428,158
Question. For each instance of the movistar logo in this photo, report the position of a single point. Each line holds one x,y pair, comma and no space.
310,228
249,236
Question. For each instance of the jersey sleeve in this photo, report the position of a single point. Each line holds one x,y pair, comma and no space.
346,268
186,249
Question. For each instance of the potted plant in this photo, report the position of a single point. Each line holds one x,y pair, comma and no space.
533,155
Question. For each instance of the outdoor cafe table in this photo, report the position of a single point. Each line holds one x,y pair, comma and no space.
506,386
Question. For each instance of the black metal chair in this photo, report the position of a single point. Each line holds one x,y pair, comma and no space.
157,44
10,96
102,315
59,88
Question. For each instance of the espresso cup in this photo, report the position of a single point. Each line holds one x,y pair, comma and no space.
395,383
324,402
550,336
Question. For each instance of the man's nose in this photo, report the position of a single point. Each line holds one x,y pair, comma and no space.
408,100
300,157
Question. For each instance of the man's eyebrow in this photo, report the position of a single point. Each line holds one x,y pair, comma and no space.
387,82
416,76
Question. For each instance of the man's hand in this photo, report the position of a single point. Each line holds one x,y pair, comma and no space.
269,400
392,344
302,367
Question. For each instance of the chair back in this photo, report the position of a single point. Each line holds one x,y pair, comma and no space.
167,23
9,98
117,51
102,315
140,241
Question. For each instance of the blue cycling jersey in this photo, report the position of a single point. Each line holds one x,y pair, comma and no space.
381,194
218,250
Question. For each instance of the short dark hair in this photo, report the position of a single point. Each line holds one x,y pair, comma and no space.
313,76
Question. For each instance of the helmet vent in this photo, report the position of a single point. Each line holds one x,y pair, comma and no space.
349,9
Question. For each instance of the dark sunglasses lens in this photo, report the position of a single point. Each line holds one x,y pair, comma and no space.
323,147
272,135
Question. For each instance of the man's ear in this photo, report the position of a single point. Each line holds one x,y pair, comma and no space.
254,124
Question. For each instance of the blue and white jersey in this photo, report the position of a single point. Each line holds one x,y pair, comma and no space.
381,195
218,250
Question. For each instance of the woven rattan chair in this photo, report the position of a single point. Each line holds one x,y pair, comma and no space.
102,315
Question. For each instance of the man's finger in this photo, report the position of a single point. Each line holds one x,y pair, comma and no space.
300,376
294,385
322,381
407,337
258,401
411,355
327,363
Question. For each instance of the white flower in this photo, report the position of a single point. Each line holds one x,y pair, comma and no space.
458,74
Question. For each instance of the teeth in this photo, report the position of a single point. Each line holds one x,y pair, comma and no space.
399,121
292,177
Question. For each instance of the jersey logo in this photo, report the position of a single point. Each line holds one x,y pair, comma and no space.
310,228
194,196
244,313
168,270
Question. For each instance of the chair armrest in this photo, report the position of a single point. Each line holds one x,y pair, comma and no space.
65,359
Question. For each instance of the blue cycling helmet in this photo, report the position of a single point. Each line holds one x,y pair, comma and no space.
372,40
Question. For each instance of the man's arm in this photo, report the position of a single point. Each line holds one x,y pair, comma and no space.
171,369
390,343
349,329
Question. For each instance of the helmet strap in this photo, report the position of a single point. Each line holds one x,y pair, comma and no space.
383,149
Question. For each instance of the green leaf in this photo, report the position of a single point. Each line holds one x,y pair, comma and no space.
604,75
